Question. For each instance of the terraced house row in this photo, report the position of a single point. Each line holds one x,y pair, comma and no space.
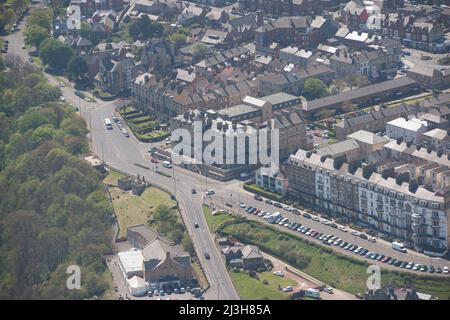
403,211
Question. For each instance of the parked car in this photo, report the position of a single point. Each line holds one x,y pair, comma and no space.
268,201
258,197
445,270
371,239
207,256
278,205
363,236
196,225
328,289
307,215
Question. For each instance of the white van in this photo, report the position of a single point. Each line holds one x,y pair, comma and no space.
398,246
167,164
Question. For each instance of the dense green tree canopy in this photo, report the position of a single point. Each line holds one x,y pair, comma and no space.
55,53
314,88
77,68
53,208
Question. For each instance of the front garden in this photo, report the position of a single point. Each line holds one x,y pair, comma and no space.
145,127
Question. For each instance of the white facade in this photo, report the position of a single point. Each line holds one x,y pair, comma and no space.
411,130
418,216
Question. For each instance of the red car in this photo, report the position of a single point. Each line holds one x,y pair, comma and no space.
154,160
386,259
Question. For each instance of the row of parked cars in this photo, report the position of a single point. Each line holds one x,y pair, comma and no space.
333,240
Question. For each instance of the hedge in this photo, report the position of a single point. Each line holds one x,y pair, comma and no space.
259,191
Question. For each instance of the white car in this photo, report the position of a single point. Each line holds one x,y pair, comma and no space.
342,228
445,270
210,192
325,222
87,99
279,273
328,289
371,239
242,205
288,289
315,218
62,98
355,233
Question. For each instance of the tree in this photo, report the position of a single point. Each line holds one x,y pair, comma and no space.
314,88
200,50
55,54
359,81
339,84
35,35
42,18
134,30
77,68
178,38
145,28
86,30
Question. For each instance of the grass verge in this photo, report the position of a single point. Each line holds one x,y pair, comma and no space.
255,289
216,220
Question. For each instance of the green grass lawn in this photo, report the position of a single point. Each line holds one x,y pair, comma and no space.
342,272
214,221
132,210
253,289
111,178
